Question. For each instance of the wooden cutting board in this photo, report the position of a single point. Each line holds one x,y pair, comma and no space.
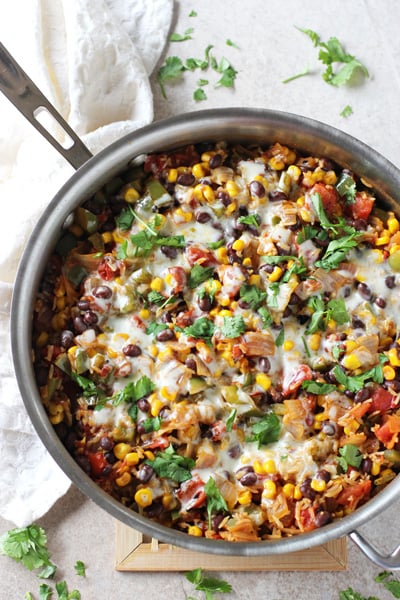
136,552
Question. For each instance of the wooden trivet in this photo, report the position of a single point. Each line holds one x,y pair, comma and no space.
137,552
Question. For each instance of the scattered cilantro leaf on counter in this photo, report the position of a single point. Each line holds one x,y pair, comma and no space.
45,592
198,274
80,568
332,53
233,327
392,585
171,70
215,500
266,430
178,37
350,594
28,545
303,73
171,465
229,42
228,73
193,13
209,585
28,596
350,456
347,111
64,594
199,95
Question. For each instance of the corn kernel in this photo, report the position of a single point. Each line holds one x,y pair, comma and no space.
351,362
111,353
153,350
388,372
247,262
131,195
222,255
263,381
157,284
289,490
230,208
76,230
107,237
330,178
269,491
300,201
305,215
288,345
383,239
56,419
125,479
42,339
167,394
320,417
232,188
393,225
376,468
149,454
394,248
314,342
294,172
254,279
378,256
275,275
238,245
258,467
225,313
156,407
276,163
186,215
144,497
132,458
318,485
165,354
172,175
195,531
121,450
269,466
297,493
144,313
393,357
168,501
350,345
245,497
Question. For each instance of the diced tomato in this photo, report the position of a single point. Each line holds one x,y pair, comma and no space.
98,462
388,433
307,519
195,254
293,380
382,400
108,269
191,493
178,274
158,443
330,199
362,206
351,496
218,430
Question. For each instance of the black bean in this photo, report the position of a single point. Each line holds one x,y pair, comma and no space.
83,304
216,522
243,304
169,251
143,404
145,473
83,462
79,325
381,302
357,323
224,197
42,374
362,395
322,518
166,335
90,317
248,478
202,216
215,161
360,224
132,350
364,290
191,364
102,291
186,179
390,281
328,428
166,317
307,490
257,189
205,303
67,338
234,451
346,291
264,364
366,465
110,457
106,443
324,475
155,510
276,195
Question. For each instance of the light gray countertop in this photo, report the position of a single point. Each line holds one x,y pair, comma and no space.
270,50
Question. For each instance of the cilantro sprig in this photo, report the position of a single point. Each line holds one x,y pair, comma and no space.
334,309
350,456
171,465
28,545
266,430
355,383
208,585
215,500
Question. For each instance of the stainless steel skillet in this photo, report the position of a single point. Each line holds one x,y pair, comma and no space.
234,124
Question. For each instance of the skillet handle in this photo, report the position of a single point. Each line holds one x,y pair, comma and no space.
389,561
29,100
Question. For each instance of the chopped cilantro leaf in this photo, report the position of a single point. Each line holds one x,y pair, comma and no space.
392,585
175,241
252,296
231,419
193,13
280,337
347,111
337,251
334,309
216,245
203,328
134,391
350,455
317,387
171,465
354,383
199,95
45,591
346,186
306,71
265,316
171,70
233,327
178,37
252,219
227,71
215,500
125,218
209,585
198,274
154,328
151,424
80,568
229,42
266,430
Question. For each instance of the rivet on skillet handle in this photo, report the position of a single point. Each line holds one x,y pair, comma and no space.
386,561
29,100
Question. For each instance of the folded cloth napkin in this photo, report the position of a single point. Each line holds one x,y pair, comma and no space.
92,59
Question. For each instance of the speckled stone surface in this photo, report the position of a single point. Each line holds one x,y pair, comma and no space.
270,50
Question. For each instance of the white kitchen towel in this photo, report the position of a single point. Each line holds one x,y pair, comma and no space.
92,59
